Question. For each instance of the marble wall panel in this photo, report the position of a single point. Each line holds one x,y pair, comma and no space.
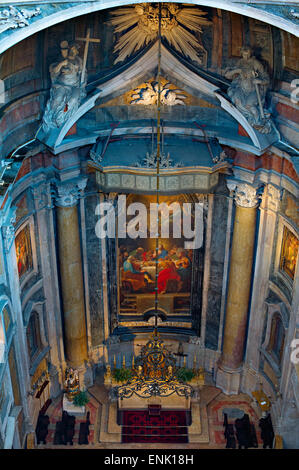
217,254
94,262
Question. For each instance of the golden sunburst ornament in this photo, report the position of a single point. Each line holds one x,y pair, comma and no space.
140,25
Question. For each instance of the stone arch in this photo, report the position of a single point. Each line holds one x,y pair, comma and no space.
54,17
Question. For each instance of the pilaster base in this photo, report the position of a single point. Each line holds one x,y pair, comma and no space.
55,382
228,380
250,380
85,376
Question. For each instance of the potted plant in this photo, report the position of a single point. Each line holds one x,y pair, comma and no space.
122,375
185,375
80,399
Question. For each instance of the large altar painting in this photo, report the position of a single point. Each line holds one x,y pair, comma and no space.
289,253
137,265
24,251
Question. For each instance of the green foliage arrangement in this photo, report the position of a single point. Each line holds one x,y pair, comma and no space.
185,375
81,399
122,375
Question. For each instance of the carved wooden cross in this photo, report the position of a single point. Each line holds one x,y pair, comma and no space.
87,40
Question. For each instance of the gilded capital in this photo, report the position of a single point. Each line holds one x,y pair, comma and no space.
67,193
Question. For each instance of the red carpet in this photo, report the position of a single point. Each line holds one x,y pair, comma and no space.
168,427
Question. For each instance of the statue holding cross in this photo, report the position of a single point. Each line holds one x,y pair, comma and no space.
87,40
69,79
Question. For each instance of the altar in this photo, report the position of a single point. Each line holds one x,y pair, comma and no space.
174,402
115,419
155,404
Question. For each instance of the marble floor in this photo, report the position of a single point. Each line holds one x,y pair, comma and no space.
211,397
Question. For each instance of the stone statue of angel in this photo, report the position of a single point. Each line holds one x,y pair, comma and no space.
248,88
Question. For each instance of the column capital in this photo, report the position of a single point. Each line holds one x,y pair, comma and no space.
67,193
245,195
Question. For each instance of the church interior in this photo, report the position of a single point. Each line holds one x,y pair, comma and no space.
122,327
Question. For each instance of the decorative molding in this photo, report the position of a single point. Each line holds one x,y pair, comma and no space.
59,11
220,158
67,194
177,180
274,307
143,20
171,324
8,229
95,157
274,195
42,196
13,18
148,93
294,14
150,161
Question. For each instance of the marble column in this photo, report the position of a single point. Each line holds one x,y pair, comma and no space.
230,366
269,207
71,277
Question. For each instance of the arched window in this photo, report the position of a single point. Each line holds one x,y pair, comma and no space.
276,342
33,335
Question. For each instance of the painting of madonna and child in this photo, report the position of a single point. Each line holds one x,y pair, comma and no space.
137,267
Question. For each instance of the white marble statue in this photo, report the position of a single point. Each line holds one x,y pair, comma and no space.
67,90
248,90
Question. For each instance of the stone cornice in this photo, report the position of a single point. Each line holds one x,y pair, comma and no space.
170,181
123,130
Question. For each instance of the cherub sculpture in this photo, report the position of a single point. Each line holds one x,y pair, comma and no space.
148,95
